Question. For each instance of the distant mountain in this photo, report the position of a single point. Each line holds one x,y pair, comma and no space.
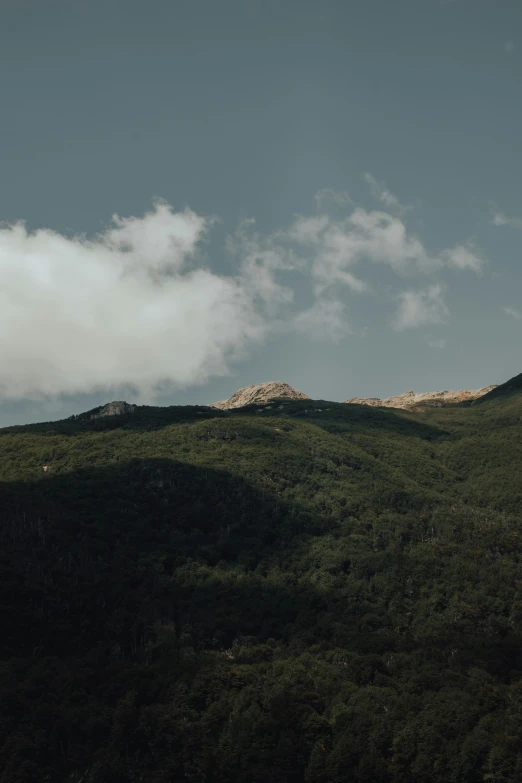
434,399
264,392
260,393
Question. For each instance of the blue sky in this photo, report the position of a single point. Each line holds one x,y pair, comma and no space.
201,195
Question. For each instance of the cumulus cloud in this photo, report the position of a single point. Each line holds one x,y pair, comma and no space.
137,306
260,259
464,257
338,246
129,307
421,308
513,312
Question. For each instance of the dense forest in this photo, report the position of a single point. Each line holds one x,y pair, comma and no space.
302,592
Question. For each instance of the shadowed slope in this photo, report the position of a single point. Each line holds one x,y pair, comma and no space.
311,593
511,387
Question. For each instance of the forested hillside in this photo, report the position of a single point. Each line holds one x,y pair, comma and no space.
311,592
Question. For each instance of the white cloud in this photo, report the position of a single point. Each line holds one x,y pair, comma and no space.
137,306
335,252
464,257
499,219
338,246
260,260
512,312
132,306
509,47
421,308
162,240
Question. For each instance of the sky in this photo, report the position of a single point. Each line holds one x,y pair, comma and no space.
200,195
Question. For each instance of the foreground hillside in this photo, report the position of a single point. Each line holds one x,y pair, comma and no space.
307,592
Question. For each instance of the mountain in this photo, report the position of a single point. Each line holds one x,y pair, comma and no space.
433,399
119,408
308,592
265,392
258,394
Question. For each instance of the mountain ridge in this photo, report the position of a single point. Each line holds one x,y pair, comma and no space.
432,399
264,392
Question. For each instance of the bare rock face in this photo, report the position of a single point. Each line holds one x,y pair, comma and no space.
373,401
435,399
261,393
114,409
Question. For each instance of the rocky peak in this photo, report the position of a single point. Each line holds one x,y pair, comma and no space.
434,399
260,393
118,408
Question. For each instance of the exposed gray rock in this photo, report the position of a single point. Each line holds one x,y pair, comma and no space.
114,409
409,399
262,392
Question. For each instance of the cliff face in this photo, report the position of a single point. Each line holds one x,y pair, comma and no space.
114,409
262,392
433,399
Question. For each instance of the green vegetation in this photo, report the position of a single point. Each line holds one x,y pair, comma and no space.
314,593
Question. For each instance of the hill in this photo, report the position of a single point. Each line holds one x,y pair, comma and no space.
260,393
311,591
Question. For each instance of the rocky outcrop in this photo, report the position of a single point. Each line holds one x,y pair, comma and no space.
435,399
260,393
114,409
